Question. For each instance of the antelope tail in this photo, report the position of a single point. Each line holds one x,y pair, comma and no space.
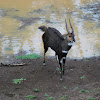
43,28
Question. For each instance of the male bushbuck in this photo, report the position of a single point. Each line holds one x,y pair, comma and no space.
61,44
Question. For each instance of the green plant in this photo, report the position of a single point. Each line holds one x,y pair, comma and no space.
16,10
91,98
30,56
30,97
49,98
76,88
65,87
18,81
82,77
64,97
36,90
86,60
98,90
46,95
83,91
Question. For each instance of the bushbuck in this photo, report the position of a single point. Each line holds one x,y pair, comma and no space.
61,44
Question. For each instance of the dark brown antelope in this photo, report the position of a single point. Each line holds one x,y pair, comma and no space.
61,44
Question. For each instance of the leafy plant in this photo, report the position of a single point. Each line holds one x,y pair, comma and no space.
91,98
98,90
50,98
30,56
86,60
83,91
46,95
18,81
36,90
76,88
16,10
82,77
64,97
65,87
30,97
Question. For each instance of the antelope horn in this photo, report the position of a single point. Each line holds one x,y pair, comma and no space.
71,26
66,26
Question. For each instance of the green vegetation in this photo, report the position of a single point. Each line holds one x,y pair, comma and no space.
16,10
86,60
49,98
64,97
18,81
30,97
98,90
29,56
75,88
36,90
65,87
91,98
46,95
82,77
83,91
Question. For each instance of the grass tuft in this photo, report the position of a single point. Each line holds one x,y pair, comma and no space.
29,56
18,81
83,91
36,90
30,97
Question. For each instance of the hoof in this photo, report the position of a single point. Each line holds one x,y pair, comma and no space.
44,64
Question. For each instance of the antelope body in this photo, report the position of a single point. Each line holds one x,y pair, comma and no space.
61,44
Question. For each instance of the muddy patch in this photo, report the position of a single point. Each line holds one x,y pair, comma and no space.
80,82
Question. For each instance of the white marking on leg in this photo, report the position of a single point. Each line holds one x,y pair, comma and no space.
44,64
61,61
60,79
57,57
64,57
63,51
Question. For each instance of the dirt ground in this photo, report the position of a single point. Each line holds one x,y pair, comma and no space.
80,82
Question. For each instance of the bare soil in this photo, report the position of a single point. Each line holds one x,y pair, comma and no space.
79,75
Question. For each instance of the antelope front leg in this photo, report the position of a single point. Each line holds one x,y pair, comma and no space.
44,59
45,50
60,64
58,67
64,60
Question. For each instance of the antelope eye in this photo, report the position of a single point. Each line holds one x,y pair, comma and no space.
69,36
